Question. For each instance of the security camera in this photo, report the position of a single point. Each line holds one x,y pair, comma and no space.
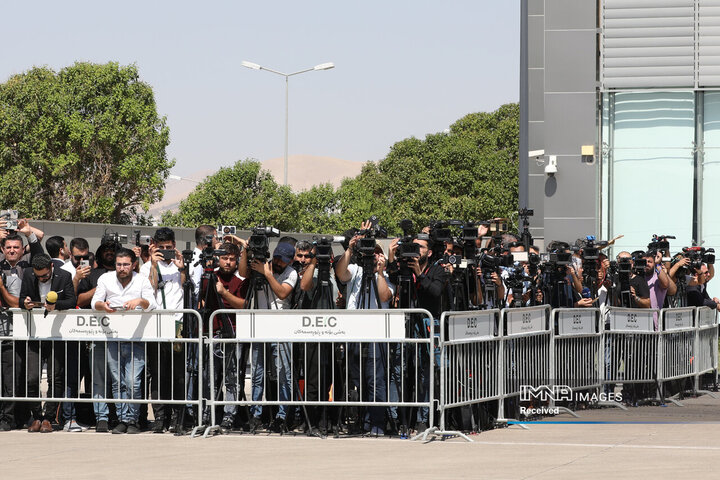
551,168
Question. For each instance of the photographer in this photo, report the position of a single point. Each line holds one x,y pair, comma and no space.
697,295
380,288
639,290
279,279
304,257
231,292
165,270
105,258
205,235
431,292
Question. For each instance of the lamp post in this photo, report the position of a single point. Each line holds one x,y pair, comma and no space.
255,66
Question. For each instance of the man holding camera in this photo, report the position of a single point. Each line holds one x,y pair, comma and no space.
697,295
166,272
230,292
123,289
382,289
278,279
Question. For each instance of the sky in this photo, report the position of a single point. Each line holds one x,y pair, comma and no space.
402,68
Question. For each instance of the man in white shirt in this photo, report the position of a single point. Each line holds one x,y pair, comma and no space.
376,361
165,270
123,289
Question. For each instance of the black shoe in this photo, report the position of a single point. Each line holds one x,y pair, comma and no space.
227,424
121,428
253,425
132,428
158,426
5,426
278,426
102,426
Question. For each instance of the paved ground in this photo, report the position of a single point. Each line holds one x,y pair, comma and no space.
683,441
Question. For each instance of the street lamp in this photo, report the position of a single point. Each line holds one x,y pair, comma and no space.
255,66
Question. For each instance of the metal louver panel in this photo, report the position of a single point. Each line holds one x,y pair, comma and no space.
709,43
648,43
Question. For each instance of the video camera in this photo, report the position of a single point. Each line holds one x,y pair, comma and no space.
323,246
659,243
259,243
114,238
698,256
639,262
407,248
226,230
141,240
366,244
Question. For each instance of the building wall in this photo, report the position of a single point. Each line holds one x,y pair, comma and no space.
562,112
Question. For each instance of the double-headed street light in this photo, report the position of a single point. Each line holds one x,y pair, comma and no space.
255,66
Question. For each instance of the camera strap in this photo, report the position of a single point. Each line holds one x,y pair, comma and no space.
161,285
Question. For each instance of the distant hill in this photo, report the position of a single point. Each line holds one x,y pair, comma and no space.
304,171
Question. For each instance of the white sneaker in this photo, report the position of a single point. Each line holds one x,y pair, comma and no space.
73,426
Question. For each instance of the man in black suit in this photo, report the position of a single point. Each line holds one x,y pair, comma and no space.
37,282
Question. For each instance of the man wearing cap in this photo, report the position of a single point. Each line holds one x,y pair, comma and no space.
281,279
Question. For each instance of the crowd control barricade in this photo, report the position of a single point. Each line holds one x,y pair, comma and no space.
677,346
382,360
525,354
706,346
126,358
631,349
469,356
578,353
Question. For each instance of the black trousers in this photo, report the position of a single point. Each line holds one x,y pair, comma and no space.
166,377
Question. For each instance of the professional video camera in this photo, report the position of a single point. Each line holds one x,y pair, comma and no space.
323,247
639,262
590,254
554,271
407,248
659,243
258,245
366,244
110,236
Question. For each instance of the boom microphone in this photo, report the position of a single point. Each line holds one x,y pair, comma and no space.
50,300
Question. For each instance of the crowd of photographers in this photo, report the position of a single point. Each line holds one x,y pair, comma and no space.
446,266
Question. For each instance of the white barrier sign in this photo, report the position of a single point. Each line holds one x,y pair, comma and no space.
340,325
525,320
632,320
576,322
462,326
706,317
676,319
90,325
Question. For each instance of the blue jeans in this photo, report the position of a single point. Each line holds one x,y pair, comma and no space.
125,364
376,383
281,354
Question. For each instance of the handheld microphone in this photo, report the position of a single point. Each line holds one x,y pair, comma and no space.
50,300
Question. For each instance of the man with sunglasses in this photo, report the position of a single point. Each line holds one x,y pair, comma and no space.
37,282
79,265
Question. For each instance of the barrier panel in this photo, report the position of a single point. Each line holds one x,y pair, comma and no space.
706,347
677,343
525,352
577,354
126,358
310,359
631,348
469,353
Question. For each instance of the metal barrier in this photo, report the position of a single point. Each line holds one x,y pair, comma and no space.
469,351
379,359
525,353
631,348
126,358
706,346
676,352
578,351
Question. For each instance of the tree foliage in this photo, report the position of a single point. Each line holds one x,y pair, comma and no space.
470,173
83,144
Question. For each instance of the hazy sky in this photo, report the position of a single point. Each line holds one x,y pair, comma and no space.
403,68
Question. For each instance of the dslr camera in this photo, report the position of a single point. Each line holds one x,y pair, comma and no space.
9,219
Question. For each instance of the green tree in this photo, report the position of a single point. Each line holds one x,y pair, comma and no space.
83,144
470,173
242,195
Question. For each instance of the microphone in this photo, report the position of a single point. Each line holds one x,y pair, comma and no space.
50,300
585,293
